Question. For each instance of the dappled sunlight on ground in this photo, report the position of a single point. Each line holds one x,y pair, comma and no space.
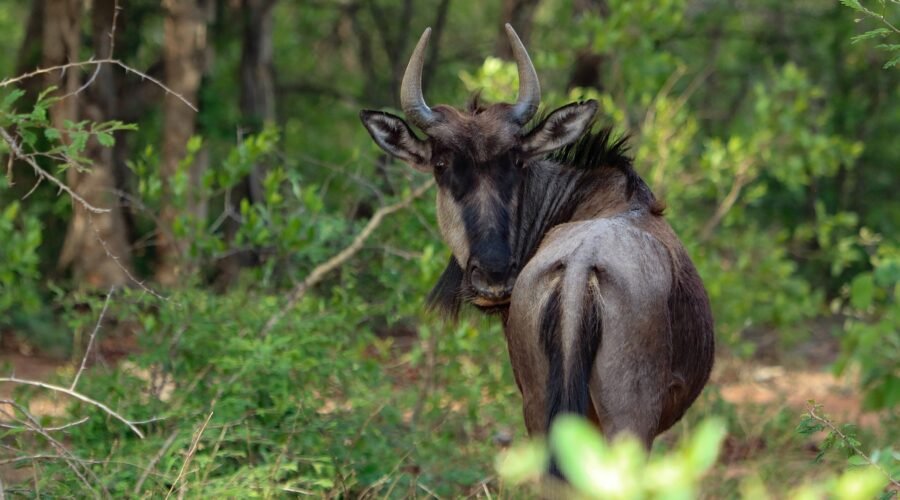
744,383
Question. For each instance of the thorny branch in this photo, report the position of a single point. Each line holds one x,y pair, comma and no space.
94,62
811,411
117,261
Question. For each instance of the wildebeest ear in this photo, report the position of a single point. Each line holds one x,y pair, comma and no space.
397,139
564,126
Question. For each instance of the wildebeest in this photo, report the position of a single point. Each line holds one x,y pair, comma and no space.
550,227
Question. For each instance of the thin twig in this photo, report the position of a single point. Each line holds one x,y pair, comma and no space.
191,451
118,263
76,395
112,31
337,260
156,458
33,188
881,17
427,490
87,350
93,62
71,460
811,411
741,179
66,426
18,153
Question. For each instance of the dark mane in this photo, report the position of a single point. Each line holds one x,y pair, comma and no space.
596,148
476,104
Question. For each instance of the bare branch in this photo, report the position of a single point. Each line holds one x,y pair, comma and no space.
741,179
93,62
87,350
71,460
337,260
116,260
49,429
66,426
81,397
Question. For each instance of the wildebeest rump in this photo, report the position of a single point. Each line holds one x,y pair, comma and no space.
551,228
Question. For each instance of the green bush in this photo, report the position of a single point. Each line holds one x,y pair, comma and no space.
20,277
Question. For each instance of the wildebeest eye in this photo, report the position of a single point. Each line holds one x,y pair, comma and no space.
440,165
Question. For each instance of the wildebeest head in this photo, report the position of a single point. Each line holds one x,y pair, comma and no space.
478,157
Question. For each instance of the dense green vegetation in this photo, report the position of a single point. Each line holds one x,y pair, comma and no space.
769,128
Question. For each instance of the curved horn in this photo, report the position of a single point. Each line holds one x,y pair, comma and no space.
529,86
411,99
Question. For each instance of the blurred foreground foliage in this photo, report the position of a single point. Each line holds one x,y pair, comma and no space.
771,136
596,468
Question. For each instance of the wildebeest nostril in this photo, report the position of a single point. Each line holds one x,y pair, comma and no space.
493,285
478,278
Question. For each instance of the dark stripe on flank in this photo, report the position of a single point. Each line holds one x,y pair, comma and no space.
550,340
588,342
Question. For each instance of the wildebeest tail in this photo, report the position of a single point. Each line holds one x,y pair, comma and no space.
570,338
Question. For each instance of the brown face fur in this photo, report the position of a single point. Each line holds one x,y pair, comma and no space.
477,161
482,132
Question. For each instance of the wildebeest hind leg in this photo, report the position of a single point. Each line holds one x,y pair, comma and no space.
630,379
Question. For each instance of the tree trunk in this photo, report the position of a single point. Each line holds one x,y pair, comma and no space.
96,247
61,43
257,85
519,13
31,51
257,110
184,48
588,65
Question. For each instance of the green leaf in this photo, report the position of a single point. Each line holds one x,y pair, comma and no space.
893,62
39,114
106,140
52,134
42,97
79,141
11,98
29,137
862,291
853,4
875,33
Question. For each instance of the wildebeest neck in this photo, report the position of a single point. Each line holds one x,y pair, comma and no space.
554,194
